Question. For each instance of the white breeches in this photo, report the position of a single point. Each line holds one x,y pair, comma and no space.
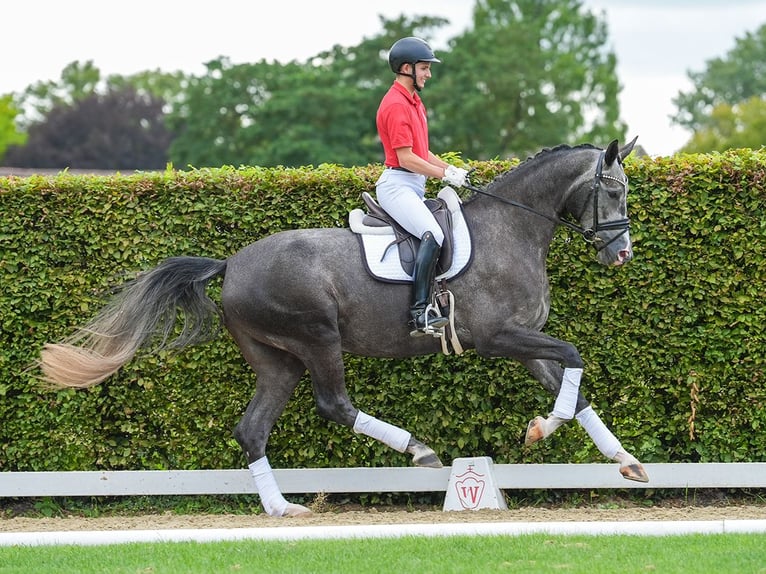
401,194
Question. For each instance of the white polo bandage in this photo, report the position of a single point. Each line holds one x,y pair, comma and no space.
567,400
388,434
271,498
602,437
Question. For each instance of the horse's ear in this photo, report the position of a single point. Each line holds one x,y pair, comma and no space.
627,148
611,153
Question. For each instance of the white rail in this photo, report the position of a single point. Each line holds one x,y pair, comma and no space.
387,479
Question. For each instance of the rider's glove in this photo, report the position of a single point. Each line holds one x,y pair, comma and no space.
455,176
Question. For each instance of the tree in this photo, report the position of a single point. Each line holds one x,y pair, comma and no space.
300,113
528,74
78,81
9,132
66,122
119,130
726,83
740,126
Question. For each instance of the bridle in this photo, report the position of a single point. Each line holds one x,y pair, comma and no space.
589,234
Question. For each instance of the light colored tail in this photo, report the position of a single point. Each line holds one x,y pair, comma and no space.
142,313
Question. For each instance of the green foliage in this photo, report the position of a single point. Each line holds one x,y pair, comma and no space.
82,80
724,109
731,127
297,114
527,74
673,342
126,130
9,133
272,114
78,81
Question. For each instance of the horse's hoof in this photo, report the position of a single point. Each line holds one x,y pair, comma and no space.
423,455
296,510
535,431
635,472
429,460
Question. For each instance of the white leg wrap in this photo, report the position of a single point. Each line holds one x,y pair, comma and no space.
602,437
388,434
271,498
564,407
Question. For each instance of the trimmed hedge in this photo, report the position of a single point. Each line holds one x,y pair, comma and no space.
673,342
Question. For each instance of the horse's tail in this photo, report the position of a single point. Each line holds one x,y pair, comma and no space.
144,311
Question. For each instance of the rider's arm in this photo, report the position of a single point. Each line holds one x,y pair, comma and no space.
434,167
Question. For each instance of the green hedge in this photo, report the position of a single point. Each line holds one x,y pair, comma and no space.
673,342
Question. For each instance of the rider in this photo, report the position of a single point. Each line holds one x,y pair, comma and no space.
400,190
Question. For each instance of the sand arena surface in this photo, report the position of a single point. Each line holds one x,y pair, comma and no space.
372,516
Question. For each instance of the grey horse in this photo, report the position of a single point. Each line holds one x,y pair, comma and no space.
285,327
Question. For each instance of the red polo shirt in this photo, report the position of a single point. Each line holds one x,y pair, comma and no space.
401,122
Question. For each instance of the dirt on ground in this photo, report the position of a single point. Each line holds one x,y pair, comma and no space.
331,516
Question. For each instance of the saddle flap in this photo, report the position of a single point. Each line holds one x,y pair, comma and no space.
443,217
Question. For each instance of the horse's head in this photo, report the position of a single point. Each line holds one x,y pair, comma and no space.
603,211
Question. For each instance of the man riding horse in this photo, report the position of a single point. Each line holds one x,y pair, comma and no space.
403,130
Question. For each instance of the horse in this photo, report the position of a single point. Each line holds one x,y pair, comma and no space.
297,300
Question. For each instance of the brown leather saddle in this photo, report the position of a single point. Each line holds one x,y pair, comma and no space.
406,243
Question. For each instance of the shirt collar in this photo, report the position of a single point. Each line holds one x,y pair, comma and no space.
414,99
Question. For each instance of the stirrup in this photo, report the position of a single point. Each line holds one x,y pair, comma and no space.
434,323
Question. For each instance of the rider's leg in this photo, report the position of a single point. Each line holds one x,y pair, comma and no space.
401,195
423,280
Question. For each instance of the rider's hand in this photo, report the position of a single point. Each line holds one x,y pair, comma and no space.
455,175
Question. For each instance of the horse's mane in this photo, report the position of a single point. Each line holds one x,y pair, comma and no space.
546,154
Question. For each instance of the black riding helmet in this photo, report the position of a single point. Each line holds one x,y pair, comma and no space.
410,51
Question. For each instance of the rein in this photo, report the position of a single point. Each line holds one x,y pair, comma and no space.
590,234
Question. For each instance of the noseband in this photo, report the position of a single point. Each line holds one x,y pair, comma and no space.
590,234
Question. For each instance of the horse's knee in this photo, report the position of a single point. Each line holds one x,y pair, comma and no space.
571,358
342,412
245,437
240,434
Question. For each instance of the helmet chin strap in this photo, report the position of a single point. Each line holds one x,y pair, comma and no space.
411,75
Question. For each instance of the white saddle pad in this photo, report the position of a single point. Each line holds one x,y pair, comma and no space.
382,256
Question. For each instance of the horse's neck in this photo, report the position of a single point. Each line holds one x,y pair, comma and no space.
523,209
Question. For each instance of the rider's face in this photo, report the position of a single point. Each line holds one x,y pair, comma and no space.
422,73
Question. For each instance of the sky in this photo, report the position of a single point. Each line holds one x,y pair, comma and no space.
657,42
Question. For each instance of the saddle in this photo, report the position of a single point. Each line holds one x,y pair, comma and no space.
379,233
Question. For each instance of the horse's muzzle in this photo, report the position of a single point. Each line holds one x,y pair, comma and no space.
623,256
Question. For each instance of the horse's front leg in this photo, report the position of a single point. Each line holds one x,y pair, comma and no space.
609,446
564,383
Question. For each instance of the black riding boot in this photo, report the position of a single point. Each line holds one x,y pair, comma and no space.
423,279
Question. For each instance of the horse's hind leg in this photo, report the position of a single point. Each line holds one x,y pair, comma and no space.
278,374
551,376
328,379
